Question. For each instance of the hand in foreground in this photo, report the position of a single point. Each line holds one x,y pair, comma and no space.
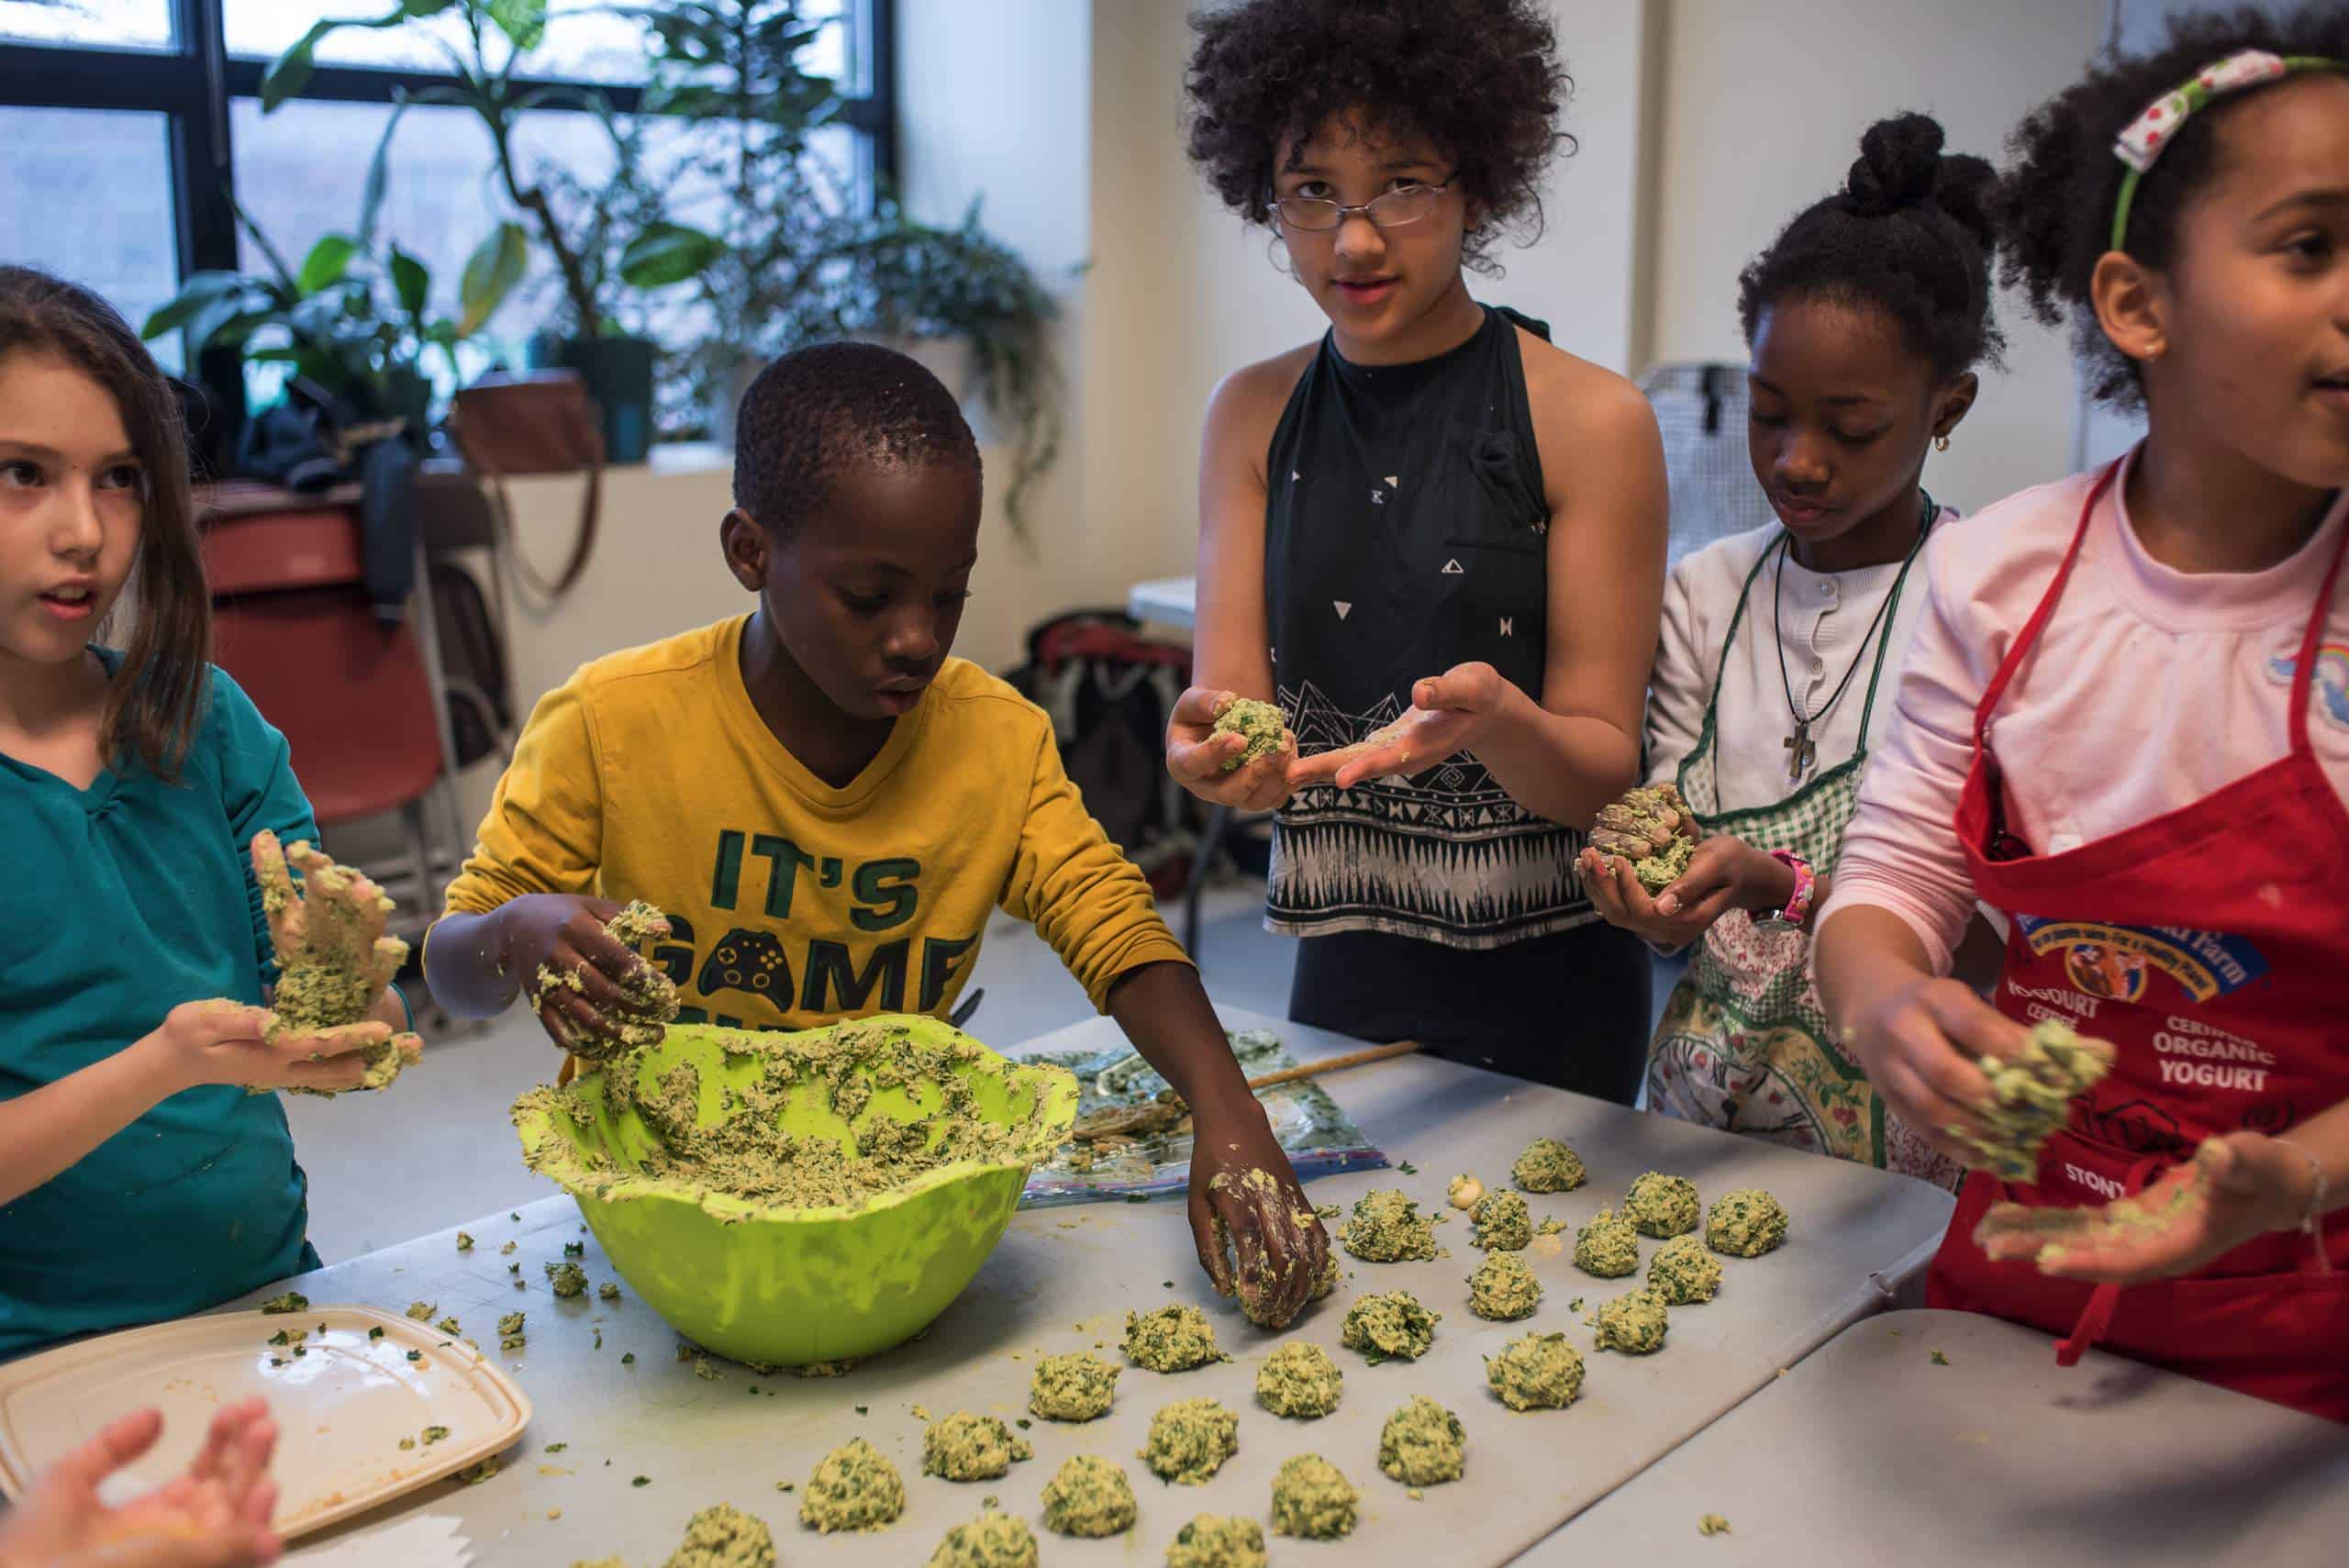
593,995
227,1042
2235,1189
1724,873
333,956
1246,1198
215,1516
1920,1047
1196,757
1448,713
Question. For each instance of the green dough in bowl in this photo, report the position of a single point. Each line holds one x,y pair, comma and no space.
724,1182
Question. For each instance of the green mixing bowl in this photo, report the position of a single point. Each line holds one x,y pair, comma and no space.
791,1286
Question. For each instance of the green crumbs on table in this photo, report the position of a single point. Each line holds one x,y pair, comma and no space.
1171,1339
574,1249
1940,1360
1745,1223
1393,1324
421,1311
1218,1541
1408,1168
1538,1371
376,1333
557,1448
464,1242
1422,1443
1089,1497
1712,1524
415,1356
991,1540
964,1447
855,1488
1300,1380
1190,1440
1312,1500
627,1358
292,1301
1387,1228
1548,1166
434,1434
566,1279
641,1480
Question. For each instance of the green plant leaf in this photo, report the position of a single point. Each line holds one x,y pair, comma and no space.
411,281
425,7
290,71
379,168
668,253
491,272
200,290
323,267
522,22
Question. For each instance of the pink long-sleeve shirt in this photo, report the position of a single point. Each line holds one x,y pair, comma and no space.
2148,689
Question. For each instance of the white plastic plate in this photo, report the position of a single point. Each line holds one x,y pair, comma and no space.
341,1407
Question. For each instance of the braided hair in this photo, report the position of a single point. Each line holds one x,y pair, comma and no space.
1911,234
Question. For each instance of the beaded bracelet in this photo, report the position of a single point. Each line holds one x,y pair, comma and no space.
1798,910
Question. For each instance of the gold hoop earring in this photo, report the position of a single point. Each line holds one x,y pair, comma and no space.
1940,443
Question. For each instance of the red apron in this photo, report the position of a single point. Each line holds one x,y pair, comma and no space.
2211,946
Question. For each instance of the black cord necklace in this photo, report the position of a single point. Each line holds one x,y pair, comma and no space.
1801,751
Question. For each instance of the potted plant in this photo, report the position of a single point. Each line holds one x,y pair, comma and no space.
355,317
800,261
499,35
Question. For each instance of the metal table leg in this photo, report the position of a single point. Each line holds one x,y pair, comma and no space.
1211,840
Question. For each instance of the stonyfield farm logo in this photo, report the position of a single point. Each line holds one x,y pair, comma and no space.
2118,962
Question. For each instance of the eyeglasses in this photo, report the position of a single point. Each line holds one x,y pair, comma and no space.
1392,210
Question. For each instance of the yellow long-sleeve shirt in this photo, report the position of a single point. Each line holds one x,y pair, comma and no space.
650,775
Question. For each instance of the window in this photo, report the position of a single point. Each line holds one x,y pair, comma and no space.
142,120
86,193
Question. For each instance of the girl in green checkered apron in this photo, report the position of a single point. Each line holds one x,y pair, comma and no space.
1781,648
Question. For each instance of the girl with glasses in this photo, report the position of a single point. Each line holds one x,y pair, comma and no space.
1434,540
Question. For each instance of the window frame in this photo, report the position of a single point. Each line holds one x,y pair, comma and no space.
192,85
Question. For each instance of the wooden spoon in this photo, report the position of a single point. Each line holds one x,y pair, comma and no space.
1168,1110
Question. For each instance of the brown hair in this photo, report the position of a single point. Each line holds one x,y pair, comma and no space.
156,699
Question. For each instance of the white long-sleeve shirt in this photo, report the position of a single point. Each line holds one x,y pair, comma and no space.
1824,618
2149,688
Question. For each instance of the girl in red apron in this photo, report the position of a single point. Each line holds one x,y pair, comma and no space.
2088,737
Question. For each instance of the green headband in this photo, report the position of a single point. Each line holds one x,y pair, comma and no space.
2150,134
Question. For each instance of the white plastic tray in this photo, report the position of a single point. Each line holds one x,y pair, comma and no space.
341,1407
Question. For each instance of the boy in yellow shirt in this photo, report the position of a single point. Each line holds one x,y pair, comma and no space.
829,807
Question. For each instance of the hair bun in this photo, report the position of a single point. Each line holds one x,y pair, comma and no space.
1899,160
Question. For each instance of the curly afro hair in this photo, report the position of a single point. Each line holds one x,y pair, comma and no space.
2057,202
1909,233
1479,78
818,410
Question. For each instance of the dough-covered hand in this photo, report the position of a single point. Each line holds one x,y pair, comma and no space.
1447,714
594,995
1199,759
1921,1046
227,1042
333,957
1724,873
1245,1199
2234,1190
216,1515
1642,823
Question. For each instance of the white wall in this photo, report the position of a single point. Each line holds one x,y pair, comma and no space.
1762,109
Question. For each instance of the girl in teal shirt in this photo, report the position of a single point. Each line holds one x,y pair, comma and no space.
138,1180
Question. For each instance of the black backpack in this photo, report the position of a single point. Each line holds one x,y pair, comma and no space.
1109,690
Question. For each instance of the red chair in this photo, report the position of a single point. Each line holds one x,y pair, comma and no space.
353,696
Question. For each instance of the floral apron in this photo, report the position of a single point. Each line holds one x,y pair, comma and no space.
1743,1043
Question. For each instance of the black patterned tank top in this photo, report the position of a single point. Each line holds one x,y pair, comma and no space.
1406,532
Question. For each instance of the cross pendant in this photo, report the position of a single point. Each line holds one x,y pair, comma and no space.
1801,753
